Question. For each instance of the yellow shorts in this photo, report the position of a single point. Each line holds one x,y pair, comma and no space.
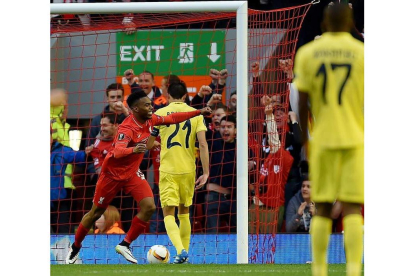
176,189
337,174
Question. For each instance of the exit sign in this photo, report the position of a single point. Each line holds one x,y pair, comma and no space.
178,52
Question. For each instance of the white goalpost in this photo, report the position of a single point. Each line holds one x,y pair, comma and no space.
240,7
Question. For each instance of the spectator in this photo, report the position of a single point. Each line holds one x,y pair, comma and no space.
109,222
219,111
114,96
300,210
221,197
293,133
146,82
132,80
213,124
60,128
212,133
267,209
294,185
218,82
104,140
60,157
233,102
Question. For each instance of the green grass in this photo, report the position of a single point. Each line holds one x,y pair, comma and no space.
189,269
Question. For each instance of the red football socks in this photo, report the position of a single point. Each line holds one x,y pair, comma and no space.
137,227
80,235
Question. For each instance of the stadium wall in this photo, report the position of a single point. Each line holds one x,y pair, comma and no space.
205,249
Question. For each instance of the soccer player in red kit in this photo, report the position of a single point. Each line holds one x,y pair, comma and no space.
120,170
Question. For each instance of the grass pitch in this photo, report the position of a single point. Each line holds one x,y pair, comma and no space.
192,269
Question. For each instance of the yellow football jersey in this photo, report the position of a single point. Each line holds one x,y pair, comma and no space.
331,71
178,149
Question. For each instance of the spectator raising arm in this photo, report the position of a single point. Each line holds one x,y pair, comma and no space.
273,136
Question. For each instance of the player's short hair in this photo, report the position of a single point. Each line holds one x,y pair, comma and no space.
115,86
233,93
229,118
135,97
170,79
148,72
112,117
177,90
338,15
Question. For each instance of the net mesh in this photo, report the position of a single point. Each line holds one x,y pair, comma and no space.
90,52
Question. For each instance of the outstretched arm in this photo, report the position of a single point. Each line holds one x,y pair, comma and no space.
178,117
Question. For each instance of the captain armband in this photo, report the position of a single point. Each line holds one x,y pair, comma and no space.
155,132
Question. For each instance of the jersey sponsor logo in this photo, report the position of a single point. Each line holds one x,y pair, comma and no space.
101,199
121,136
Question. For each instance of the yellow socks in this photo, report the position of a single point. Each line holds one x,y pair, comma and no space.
185,230
173,233
321,229
353,235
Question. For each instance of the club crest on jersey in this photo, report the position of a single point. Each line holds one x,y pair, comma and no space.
276,168
121,136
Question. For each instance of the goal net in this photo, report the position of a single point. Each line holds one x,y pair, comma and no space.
91,52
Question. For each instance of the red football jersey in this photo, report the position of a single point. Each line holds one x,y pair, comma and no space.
122,163
274,173
99,152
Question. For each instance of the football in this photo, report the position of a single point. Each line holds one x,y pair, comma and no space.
158,254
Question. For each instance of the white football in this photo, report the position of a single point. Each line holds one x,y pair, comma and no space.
158,254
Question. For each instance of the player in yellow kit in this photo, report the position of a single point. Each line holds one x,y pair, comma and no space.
330,73
178,168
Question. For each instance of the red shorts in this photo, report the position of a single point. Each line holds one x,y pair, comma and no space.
107,188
